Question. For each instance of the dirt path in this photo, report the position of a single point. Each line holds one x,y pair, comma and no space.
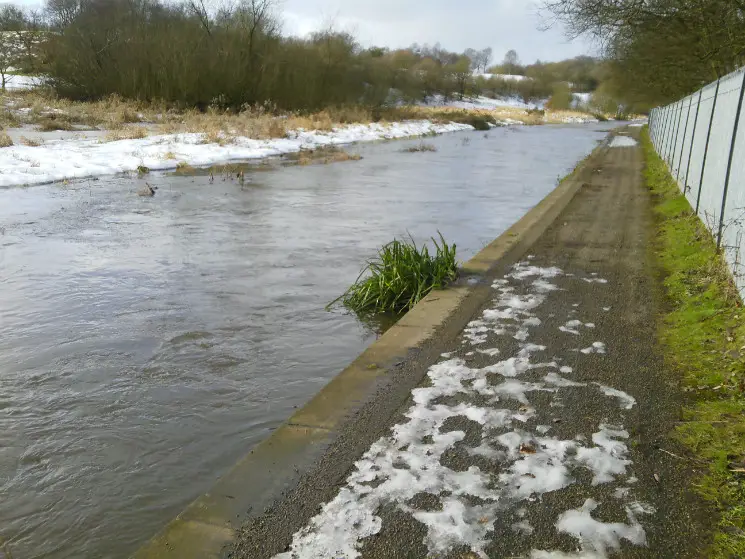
540,431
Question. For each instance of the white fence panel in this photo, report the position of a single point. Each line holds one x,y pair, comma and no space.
702,140
699,143
718,155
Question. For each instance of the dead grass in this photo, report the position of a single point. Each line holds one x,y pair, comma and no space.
31,142
5,140
52,122
126,133
118,117
325,156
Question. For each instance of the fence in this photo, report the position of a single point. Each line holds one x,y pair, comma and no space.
701,138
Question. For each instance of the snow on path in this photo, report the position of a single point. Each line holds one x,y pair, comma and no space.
69,159
623,142
408,462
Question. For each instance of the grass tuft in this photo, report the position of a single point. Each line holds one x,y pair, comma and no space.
420,147
126,133
703,337
31,142
400,276
52,122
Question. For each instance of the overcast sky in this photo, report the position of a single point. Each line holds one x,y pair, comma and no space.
455,24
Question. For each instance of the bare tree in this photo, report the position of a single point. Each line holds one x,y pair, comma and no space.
511,62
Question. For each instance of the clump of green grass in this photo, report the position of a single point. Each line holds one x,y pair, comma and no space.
400,276
600,117
703,337
420,147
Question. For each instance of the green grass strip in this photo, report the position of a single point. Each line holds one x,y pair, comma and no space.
703,336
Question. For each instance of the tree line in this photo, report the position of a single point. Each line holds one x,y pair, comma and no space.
188,54
659,50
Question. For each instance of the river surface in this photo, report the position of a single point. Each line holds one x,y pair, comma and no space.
147,343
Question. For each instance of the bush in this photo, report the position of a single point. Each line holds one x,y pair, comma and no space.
400,276
561,98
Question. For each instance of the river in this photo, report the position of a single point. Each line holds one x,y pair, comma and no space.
147,343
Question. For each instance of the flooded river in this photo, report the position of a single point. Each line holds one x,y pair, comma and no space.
147,343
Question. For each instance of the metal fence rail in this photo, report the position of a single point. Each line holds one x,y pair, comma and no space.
701,139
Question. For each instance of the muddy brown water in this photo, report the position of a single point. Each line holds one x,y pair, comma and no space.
147,343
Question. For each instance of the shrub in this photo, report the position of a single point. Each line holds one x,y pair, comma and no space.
5,140
52,122
561,98
400,276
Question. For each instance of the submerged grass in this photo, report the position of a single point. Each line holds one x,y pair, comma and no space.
419,148
703,336
400,276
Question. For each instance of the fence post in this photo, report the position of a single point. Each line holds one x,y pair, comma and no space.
706,148
675,141
683,143
729,160
693,137
665,133
673,124
655,126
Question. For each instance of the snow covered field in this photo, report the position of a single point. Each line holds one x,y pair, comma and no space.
483,103
78,158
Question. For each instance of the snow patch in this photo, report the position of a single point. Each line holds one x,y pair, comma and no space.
627,401
623,142
596,347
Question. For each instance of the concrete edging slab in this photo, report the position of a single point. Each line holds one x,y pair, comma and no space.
209,524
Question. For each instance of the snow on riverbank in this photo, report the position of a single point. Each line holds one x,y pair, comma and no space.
482,103
79,158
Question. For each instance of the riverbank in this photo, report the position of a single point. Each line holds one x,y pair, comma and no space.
47,139
703,337
280,486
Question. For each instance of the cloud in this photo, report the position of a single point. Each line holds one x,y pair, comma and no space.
455,24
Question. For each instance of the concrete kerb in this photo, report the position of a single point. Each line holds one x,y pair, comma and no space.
208,525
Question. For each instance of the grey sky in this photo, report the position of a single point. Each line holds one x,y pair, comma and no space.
455,24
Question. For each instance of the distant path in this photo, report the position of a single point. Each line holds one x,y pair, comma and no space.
539,433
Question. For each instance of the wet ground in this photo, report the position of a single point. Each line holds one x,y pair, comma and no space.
147,343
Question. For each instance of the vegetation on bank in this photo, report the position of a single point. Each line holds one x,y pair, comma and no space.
192,53
400,276
703,334
658,50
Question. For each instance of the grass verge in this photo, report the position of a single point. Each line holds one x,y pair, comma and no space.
400,276
703,337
